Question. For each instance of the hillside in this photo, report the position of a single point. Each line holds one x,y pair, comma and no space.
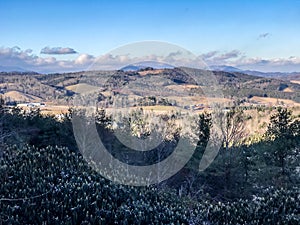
172,84
20,97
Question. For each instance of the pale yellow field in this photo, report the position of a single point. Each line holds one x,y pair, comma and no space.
82,88
182,87
54,109
274,101
158,108
199,100
6,84
295,81
21,97
143,73
288,90
257,123
50,109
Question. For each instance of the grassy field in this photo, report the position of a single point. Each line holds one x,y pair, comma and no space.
295,81
274,101
82,88
21,97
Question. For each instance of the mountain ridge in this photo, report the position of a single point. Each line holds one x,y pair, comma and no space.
56,87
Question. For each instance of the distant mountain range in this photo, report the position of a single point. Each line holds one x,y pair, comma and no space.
225,68
12,69
279,75
146,64
159,65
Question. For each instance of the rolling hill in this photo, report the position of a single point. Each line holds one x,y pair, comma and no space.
170,83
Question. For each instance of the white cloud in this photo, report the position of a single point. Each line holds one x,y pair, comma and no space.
267,65
221,58
209,55
25,59
57,51
84,59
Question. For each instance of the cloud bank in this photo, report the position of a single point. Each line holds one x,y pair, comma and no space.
16,57
57,51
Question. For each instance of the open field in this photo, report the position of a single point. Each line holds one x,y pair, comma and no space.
274,101
182,87
257,122
153,72
288,90
21,97
49,109
82,88
295,81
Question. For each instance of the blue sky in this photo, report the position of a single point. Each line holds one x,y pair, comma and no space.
260,32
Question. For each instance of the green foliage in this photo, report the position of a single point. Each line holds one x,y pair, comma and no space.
283,135
280,124
45,184
272,207
31,127
55,186
203,126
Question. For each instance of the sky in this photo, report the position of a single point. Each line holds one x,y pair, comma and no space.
55,36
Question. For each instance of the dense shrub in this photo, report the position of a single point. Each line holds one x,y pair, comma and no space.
55,186
44,183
